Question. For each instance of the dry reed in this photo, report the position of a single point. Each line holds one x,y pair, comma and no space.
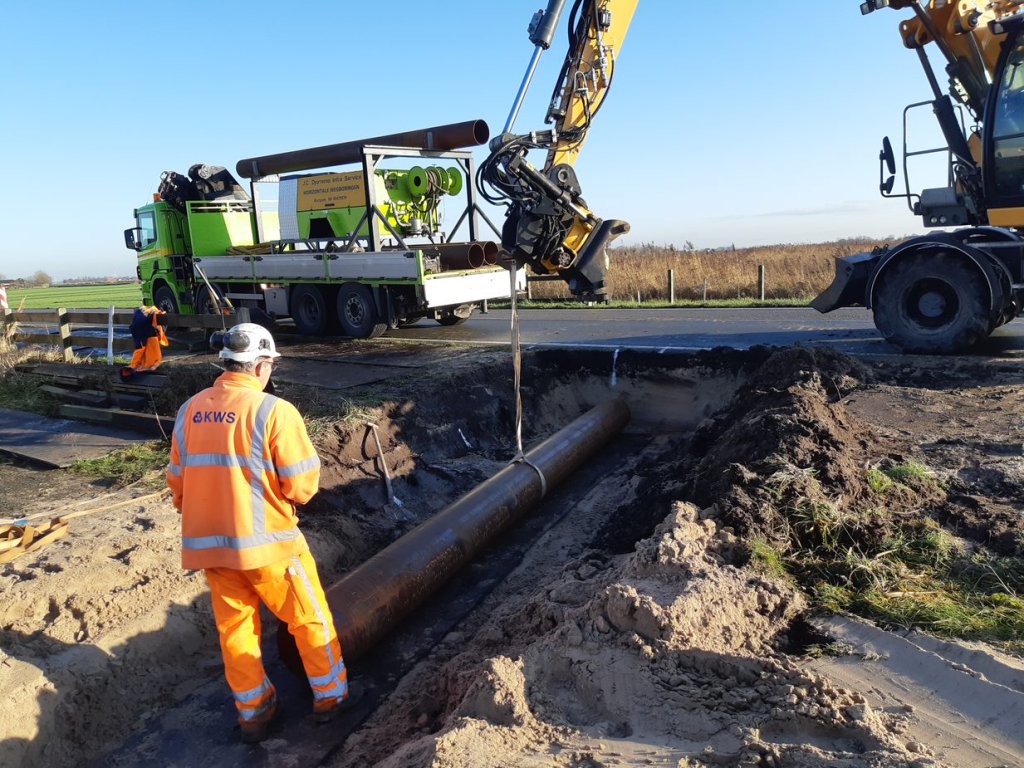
797,272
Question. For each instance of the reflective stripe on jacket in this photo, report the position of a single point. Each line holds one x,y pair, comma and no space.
240,461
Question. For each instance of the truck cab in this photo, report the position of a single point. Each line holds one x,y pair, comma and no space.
160,237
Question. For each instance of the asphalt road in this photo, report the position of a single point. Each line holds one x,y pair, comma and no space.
849,330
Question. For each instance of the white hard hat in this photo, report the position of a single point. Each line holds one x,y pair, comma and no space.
247,342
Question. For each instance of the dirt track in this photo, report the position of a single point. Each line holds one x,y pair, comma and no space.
634,631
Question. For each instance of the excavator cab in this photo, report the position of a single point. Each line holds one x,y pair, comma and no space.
1005,122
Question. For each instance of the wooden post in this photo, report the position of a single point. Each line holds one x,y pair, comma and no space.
671,286
484,309
529,290
65,334
705,290
760,280
10,327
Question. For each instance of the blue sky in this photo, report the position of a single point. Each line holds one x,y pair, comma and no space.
747,123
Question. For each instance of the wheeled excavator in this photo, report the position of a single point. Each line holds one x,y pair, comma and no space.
945,291
548,225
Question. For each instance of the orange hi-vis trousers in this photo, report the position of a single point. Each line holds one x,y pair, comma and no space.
291,590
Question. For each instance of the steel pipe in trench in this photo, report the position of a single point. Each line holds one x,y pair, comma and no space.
371,600
440,138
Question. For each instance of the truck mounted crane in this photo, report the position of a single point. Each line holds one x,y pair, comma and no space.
947,290
548,225
336,252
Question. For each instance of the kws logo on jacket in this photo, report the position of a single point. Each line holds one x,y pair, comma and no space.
214,417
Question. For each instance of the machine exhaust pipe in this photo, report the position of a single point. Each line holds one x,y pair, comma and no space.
371,600
440,138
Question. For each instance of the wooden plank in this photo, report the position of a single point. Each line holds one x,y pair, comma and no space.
80,373
88,374
35,539
81,397
143,423
35,316
141,383
100,316
130,402
122,344
122,318
37,338
88,413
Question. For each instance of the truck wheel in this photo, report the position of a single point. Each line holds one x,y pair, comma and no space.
357,312
309,310
164,298
204,305
932,303
456,316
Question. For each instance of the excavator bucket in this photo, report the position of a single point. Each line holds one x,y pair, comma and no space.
849,286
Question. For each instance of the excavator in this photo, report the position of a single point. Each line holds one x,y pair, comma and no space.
939,293
548,225
945,291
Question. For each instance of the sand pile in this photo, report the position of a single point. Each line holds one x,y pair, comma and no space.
669,656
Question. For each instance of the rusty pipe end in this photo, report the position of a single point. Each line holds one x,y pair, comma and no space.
490,252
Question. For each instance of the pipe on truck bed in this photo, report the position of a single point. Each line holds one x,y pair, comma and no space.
440,138
472,255
372,599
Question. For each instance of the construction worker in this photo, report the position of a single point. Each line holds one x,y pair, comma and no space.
148,336
240,461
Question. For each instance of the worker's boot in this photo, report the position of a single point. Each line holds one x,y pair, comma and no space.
326,710
257,729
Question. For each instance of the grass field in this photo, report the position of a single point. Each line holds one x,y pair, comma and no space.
122,296
794,274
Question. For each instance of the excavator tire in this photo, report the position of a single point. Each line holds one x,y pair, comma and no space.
932,303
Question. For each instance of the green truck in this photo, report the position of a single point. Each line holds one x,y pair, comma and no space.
355,252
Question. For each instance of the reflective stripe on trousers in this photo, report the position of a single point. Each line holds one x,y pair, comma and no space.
333,684
291,590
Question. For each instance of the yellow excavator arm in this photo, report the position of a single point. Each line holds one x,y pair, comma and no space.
968,34
547,223
586,76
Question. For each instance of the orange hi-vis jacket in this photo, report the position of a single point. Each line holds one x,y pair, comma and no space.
240,461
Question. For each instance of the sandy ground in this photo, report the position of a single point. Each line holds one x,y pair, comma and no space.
632,633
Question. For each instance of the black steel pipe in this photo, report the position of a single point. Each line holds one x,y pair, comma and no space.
440,138
371,600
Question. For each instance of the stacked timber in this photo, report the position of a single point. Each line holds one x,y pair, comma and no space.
97,394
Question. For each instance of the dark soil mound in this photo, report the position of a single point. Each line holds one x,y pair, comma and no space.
785,436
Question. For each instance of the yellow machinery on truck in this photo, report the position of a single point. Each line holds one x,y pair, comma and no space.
548,225
947,290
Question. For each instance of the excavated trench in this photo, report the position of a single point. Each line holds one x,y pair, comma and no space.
439,443
616,624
